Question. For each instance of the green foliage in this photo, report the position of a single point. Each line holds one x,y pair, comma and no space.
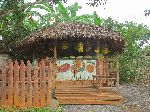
133,33
146,51
44,109
60,13
16,21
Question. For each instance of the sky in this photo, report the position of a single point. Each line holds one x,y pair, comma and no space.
120,10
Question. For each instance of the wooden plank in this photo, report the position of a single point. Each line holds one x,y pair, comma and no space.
16,84
3,90
49,91
42,84
88,95
76,90
29,85
54,74
88,98
73,83
36,92
10,83
22,89
117,76
95,102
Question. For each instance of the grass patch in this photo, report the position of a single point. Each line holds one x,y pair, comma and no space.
44,109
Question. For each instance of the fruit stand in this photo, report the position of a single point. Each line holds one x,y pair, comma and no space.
84,55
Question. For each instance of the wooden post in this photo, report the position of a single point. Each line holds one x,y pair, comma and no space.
105,69
97,48
55,57
33,56
49,91
29,85
117,76
36,93
42,84
55,49
10,84
16,84
3,95
99,64
22,80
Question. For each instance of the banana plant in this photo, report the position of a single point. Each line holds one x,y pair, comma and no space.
60,13
17,22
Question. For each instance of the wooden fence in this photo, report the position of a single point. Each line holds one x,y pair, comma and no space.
25,85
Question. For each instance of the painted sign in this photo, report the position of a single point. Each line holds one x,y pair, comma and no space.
76,69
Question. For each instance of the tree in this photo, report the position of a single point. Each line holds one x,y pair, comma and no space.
133,33
17,22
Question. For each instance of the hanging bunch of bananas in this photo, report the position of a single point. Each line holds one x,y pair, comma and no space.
106,51
97,51
79,47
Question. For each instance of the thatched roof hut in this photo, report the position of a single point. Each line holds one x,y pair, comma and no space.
73,31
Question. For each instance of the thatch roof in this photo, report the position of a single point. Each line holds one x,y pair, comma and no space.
74,30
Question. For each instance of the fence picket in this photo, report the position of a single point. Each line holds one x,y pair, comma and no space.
18,94
36,93
3,96
49,92
29,85
10,84
22,88
16,84
42,84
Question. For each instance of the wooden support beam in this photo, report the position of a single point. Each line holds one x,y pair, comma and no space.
97,48
117,76
55,49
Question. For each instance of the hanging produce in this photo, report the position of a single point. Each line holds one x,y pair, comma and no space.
97,51
64,45
105,51
80,47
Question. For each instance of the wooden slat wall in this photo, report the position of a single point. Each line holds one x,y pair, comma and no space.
26,86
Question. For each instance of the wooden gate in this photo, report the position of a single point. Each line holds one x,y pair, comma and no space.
26,85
